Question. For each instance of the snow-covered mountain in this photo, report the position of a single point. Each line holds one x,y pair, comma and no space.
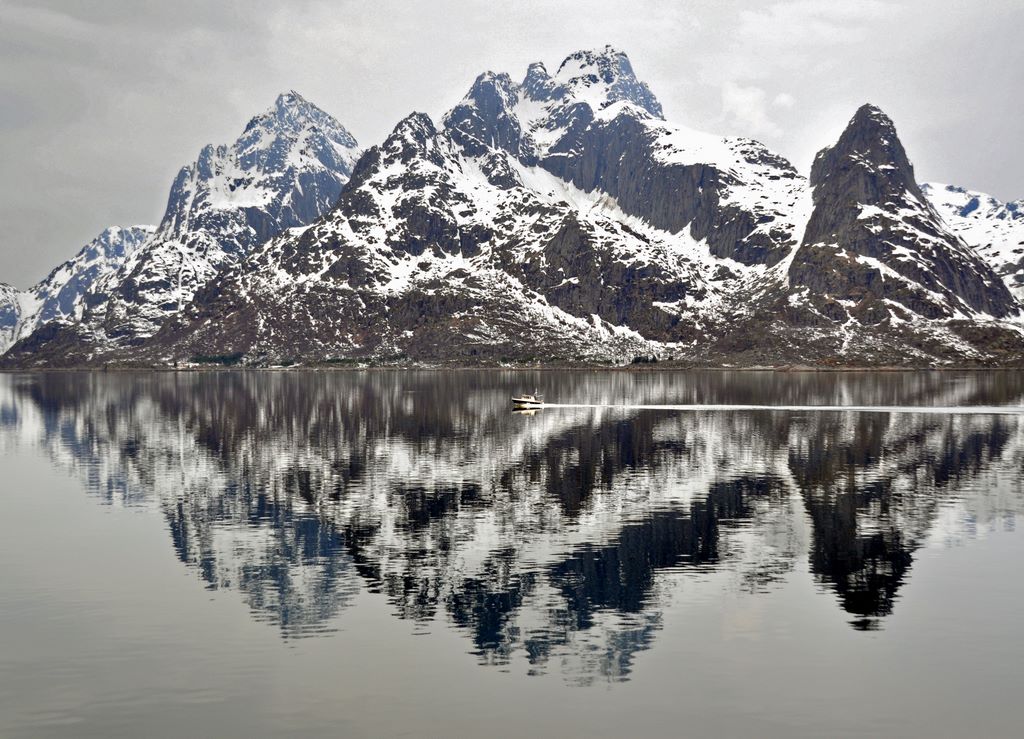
62,295
285,170
995,229
878,268
10,314
560,218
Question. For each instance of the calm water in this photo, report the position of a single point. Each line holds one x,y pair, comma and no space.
398,554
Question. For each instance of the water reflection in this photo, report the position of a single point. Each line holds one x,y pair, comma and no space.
561,536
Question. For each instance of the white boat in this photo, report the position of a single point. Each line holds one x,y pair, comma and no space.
528,401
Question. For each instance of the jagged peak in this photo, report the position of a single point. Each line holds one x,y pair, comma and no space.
869,115
112,242
416,124
114,232
485,116
412,135
267,138
499,78
870,125
116,240
539,85
607,58
291,114
536,70
871,141
604,76
290,99
488,82
123,236
489,90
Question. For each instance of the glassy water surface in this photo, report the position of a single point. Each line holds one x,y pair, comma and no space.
398,553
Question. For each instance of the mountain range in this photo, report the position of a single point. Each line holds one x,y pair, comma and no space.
556,219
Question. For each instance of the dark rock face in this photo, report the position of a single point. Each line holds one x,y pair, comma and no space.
54,344
619,157
484,120
539,86
873,235
573,273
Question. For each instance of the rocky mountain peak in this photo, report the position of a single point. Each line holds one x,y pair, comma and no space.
539,86
484,118
869,157
607,63
413,136
285,170
601,77
290,100
292,140
874,241
292,115
291,120
491,95
117,242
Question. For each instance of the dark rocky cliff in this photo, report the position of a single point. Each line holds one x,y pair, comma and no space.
873,236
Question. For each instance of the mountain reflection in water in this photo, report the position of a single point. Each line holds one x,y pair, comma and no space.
560,536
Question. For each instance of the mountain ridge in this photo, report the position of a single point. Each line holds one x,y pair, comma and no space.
561,218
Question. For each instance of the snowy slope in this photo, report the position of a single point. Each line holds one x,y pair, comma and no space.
995,229
61,296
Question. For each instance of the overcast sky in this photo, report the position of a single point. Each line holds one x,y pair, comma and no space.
101,102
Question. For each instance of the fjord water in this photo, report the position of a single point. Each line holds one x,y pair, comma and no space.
398,553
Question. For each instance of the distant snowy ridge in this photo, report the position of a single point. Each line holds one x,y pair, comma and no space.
10,314
995,229
61,295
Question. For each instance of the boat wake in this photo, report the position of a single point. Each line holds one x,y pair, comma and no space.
964,410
